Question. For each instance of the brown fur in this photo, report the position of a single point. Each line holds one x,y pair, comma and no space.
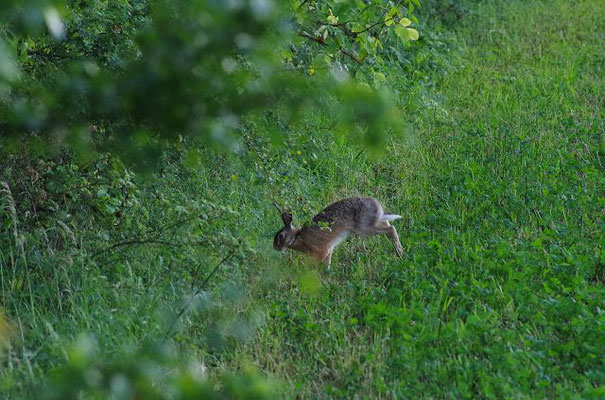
358,215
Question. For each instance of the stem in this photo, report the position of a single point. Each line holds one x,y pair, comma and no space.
169,334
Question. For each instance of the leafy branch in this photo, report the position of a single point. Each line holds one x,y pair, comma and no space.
357,37
322,41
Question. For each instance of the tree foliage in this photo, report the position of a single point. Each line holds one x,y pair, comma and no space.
351,32
127,75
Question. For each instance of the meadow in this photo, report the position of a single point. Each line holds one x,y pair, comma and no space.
110,277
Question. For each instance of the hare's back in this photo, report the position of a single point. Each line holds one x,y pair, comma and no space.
352,211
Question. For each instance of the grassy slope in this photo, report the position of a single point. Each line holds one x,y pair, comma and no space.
500,292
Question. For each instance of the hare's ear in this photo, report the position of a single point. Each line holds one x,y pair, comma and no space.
287,218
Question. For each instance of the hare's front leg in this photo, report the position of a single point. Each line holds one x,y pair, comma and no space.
328,258
322,254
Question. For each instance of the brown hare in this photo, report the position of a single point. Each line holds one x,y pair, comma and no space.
360,215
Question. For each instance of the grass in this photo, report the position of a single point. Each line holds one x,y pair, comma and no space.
500,179
500,292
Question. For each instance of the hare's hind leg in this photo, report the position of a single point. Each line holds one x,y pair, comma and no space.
387,229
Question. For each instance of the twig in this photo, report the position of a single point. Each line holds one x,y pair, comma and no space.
135,241
351,55
342,26
321,40
374,24
379,21
169,334
359,154
317,39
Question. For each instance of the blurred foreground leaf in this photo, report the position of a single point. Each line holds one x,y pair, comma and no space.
99,76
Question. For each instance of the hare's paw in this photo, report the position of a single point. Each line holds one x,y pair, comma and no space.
399,250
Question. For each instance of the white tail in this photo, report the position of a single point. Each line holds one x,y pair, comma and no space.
390,217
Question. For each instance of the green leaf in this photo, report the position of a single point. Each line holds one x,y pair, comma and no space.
362,54
310,282
401,32
286,55
405,22
54,23
413,34
332,20
388,18
392,12
8,67
379,78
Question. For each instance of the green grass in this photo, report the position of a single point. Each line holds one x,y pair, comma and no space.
500,179
500,293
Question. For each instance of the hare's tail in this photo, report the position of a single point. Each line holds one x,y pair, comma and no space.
390,217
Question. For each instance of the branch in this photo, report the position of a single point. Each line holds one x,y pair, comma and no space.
351,55
317,39
169,334
322,41
135,241
152,241
376,23
342,26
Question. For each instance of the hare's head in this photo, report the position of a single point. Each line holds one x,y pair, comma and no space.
285,237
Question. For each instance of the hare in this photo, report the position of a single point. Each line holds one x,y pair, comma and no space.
360,215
